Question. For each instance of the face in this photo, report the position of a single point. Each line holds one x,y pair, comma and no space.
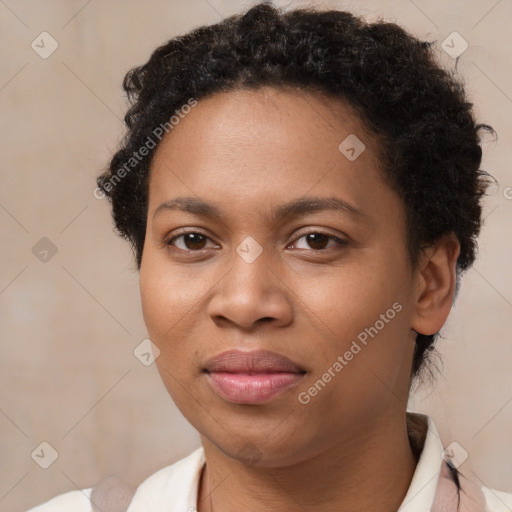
281,241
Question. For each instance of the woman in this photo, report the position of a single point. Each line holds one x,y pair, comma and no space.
302,191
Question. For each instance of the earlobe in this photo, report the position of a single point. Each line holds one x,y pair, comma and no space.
437,281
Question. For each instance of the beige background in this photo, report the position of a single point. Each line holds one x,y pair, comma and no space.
68,375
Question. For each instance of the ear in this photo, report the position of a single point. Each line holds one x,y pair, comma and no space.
436,283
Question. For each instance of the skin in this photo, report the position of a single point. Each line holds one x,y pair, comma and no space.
247,152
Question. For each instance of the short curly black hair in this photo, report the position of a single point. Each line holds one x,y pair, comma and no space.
417,110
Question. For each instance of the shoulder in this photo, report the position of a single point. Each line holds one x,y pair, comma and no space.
497,501
77,501
476,497
171,485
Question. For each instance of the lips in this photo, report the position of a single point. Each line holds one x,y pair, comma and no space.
258,361
251,377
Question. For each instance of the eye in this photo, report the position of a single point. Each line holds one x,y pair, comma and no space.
193,241
318,241
190,241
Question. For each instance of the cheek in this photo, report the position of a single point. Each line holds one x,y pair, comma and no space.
173,302
363,312
169,296
350,298
170,319
157,307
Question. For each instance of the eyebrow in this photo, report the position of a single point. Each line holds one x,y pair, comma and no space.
295,208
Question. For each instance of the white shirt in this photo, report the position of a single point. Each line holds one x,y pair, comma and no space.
175,488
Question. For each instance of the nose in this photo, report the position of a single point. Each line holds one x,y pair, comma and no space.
252,293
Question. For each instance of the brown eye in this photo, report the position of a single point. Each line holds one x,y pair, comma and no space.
319,241
189,241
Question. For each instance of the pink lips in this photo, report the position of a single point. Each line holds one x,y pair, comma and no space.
251,377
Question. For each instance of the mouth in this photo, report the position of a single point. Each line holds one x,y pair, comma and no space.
253,377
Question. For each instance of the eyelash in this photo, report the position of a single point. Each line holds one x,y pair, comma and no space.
340,242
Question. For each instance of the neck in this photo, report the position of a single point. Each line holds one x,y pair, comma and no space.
375,465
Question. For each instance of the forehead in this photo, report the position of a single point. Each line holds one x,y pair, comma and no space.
299,118
285,122
265,144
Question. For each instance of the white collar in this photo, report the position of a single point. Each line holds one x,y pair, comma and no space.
422,488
